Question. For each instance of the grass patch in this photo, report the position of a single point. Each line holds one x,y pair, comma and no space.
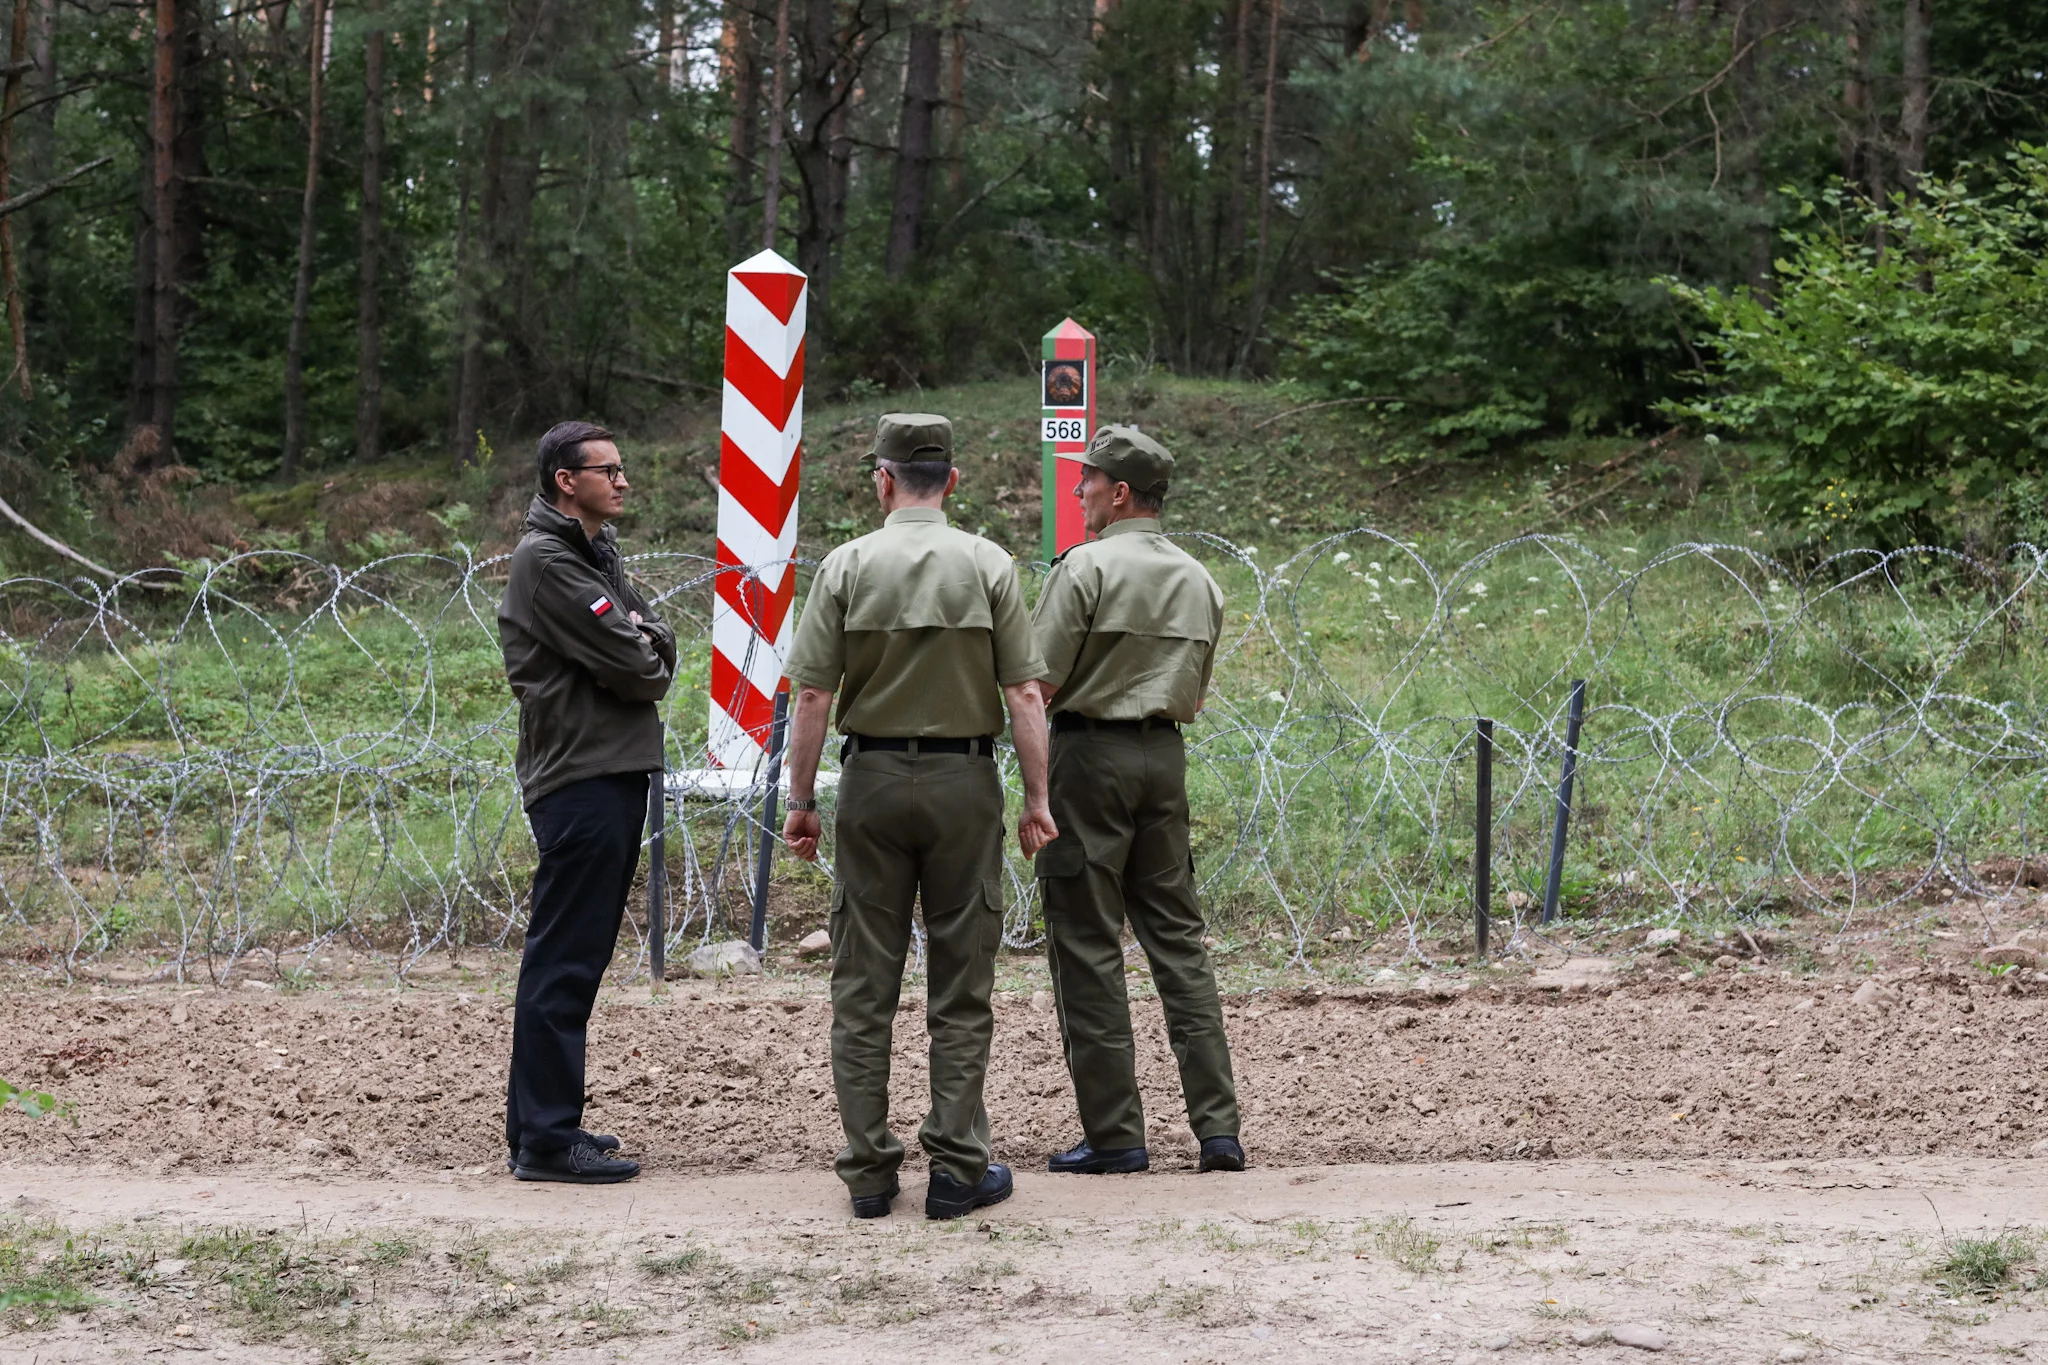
1987,1262
689,1261
1411,1247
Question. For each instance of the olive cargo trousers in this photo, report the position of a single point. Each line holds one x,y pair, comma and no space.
924,828
1119,797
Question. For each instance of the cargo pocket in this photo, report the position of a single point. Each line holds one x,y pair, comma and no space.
1065,856
993,904
835,924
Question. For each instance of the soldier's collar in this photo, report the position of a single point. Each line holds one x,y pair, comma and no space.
905,515
1129,525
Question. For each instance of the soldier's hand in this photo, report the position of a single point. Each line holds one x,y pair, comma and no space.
800,832
1036,830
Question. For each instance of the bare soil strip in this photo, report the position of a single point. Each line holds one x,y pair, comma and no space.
1724,1260
737,1077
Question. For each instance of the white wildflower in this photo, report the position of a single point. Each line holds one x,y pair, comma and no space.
1341,557
1476,588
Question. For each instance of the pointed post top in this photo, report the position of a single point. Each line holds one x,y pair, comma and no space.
772,280
1070,330
766,263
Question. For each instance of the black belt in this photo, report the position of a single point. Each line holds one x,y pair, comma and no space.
1073,720
979,744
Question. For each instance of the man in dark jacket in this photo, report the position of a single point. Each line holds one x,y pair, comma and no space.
588,661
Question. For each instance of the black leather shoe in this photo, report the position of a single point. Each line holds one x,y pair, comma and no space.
1222,1154
946,1197
582,1164
604,1142
1082,1159
875,1205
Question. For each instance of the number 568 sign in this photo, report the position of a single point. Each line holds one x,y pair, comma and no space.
1067,420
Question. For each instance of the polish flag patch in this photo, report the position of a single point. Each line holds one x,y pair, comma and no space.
600,606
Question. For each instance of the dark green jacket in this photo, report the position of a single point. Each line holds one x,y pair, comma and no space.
586,678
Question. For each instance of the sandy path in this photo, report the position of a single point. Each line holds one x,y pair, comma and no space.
1729,1261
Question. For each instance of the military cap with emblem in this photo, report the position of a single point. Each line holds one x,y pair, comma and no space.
911,436
1129,456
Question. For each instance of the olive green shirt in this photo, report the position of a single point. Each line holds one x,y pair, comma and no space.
1129,624
924,623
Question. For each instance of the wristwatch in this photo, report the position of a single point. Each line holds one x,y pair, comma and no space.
811,804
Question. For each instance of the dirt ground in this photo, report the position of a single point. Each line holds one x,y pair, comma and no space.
1722,1260
1750,1161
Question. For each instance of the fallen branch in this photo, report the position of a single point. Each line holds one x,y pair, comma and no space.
662,380
51,542
1331,403
1617,462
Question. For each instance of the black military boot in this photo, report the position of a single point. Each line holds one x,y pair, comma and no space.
876,1205
1222,1154
946,1197
1085,1160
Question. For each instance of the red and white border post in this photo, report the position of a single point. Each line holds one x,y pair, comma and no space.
760,460
1067,381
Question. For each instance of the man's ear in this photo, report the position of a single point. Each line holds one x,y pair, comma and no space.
952,481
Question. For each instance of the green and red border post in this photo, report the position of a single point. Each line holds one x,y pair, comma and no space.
1067,389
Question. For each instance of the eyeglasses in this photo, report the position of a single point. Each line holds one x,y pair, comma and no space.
613,473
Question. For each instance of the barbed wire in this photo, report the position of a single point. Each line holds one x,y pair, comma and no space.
256,759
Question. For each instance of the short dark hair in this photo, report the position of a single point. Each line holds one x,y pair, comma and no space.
562,448
1148,502
920,478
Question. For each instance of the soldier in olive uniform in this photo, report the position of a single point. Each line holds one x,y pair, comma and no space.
922,631
1128,624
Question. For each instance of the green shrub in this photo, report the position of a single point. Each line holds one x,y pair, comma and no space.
1897,376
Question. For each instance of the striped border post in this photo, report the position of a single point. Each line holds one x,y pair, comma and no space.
1067,390
760,459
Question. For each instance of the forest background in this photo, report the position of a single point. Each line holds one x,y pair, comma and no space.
248,244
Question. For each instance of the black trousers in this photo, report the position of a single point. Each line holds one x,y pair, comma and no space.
588,834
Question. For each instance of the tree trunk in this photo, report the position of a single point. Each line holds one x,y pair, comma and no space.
481,236
302,288
42,157
739,51
771,181
1854,139
914,146
665,46
956,104
10,275
1916,70
369,315
1264,185
163,332
826,81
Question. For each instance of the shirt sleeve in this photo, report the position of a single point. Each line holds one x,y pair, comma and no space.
1017,658
817,657
1060,621
576,615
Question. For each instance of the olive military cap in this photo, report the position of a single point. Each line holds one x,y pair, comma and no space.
911,436
1129,456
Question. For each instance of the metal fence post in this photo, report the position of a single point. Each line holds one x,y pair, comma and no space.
1575,713
657,880
1482,847
764,858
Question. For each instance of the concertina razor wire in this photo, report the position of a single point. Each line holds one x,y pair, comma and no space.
227,770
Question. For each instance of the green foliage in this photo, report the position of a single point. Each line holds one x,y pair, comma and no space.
1898,369
34,1103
